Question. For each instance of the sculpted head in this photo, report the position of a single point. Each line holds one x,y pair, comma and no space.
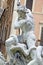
12,40
23,12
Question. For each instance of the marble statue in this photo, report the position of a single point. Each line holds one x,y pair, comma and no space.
25,21
21,49
39,57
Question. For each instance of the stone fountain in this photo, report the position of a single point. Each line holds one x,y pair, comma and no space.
21,49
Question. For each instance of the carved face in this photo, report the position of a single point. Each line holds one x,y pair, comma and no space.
21,15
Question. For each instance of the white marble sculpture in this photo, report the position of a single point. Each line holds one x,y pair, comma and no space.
20,47
39,57
26,23
11,41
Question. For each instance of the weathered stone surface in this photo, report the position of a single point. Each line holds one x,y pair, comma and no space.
5,22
